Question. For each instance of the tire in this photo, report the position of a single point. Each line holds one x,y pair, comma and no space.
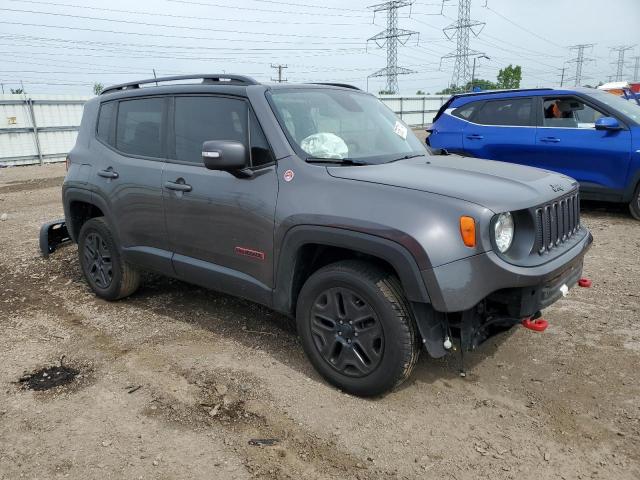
107,274
634,205
375,347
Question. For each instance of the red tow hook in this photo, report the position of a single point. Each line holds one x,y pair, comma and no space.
537,325
584,283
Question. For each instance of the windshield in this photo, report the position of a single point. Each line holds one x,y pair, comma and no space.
337,124
628,108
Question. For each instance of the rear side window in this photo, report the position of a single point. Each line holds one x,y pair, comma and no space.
466,111
199,119
105,122
139,130
512,112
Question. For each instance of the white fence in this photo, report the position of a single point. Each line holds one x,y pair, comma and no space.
38,128
417,110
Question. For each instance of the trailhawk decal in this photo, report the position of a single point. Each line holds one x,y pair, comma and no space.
288,175
247,252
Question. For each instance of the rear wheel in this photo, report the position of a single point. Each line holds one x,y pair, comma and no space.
634,205
356,327
108,275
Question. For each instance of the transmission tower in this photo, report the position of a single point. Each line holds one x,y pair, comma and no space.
279,67
579,60
391,37
636,69
462,30
620,62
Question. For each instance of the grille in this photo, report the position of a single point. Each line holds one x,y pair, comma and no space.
556,222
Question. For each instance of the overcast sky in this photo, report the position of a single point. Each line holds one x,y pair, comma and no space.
64,46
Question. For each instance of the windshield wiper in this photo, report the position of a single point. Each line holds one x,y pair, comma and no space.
336,161
407,157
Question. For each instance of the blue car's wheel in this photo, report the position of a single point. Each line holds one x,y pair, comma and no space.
634,205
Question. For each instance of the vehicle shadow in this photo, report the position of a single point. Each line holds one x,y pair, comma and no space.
255,326
593,207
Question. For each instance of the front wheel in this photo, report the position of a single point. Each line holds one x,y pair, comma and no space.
634,205
356,327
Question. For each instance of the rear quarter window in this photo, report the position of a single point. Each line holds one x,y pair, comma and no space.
105,122
516,112
466,111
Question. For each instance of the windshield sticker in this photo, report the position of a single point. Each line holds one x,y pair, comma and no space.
400,130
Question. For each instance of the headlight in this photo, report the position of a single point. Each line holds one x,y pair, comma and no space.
503,231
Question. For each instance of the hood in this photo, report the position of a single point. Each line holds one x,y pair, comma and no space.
498,186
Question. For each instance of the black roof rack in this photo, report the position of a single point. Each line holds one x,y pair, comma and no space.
206,78
343,85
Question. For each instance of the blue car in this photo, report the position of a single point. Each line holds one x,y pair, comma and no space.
584,133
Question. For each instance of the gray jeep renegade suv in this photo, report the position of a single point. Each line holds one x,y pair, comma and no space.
316,201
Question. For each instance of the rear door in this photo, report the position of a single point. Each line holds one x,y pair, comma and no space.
131,148
502,130
567,142
221,229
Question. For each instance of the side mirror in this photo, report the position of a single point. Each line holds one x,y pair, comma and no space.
607,123
227,155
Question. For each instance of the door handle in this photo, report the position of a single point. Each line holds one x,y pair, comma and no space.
475,136
108,173
550,140
177,186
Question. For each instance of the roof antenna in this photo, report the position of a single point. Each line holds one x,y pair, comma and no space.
155,76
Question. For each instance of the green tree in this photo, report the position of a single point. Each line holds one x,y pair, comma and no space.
385,92
17,90
98,88
478,82
420,92
510,77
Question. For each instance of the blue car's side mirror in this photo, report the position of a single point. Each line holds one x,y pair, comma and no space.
607,123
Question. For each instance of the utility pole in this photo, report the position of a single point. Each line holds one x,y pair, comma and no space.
579,60
391,37
279,67
462,29
620,62
473,71
636,69
564,68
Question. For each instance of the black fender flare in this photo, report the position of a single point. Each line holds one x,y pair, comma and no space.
392,252
75,194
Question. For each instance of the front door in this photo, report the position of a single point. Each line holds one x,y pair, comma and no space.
568,142
220,226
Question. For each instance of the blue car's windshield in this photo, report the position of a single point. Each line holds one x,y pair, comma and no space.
628,108
326,123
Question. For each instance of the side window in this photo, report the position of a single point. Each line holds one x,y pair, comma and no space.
512,112
105,122
260,150
139,127
198,119
466,111
569,112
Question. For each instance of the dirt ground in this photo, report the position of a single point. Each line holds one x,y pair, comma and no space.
176,381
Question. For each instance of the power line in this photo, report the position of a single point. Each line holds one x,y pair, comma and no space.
279,67
183,27
391,37
461,30
187,17
265,10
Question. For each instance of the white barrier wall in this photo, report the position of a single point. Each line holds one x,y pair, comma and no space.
417,110
38,128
